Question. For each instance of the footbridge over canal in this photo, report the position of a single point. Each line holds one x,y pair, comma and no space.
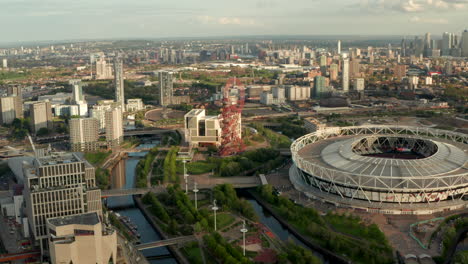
166,242
237,182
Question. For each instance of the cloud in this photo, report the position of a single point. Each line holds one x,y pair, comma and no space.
412,6
225,20
419,20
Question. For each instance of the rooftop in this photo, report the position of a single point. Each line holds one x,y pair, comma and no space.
57,158
81,219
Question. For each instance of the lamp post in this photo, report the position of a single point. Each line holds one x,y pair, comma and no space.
214,208
243,230
195,190
185,177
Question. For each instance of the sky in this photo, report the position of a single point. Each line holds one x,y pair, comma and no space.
34,20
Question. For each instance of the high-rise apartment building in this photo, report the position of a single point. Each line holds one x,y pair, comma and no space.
16,92
58,185
297,93
319,86
355,68
166,89
114,127
339,46
119,83
345,75
78,98
323,60
81,238
5,63
7,110
99,112
359,84
334,72
103,70
41,115
464,43
84,134
77,90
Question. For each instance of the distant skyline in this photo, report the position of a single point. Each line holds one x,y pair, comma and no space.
29,20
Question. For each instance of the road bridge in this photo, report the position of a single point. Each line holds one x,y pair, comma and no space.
167,242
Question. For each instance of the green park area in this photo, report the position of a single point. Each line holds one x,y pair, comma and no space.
343,234
102,175
248,163
176,214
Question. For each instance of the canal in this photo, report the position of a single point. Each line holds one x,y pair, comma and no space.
280,231
125,177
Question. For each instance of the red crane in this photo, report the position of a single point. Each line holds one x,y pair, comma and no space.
233,103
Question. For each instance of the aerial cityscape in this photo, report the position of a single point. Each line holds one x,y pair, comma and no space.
230,135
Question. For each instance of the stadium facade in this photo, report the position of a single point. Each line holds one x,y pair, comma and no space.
384,169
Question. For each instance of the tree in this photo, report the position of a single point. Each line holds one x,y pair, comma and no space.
42,132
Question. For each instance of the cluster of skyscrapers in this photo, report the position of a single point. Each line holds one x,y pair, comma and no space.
450,45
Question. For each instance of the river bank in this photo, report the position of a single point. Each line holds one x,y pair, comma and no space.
173,249
126,206
327,254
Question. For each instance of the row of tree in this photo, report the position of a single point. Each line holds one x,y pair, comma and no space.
250,162
227,198
170,166
144,167
223,251
175,209
353,246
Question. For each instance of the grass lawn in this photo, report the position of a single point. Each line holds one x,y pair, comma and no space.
96,158
197,167
222,220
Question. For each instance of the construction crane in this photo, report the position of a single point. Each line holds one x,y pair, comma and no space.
233,103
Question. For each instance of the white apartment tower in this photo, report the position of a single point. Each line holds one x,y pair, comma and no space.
99,112
84,134
16,92
345,75
57,185
119,83
114,127
78,98
103,70
7,110
359,84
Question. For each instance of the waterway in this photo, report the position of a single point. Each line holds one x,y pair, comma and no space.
125,206
276,227
124,177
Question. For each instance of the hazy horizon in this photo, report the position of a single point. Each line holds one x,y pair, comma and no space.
54,20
